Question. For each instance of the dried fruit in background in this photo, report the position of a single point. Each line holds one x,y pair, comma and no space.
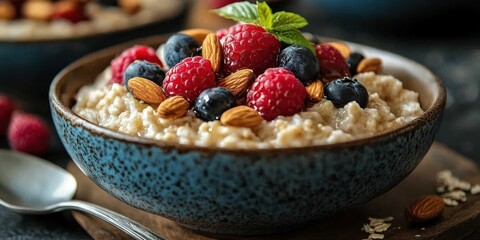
7,10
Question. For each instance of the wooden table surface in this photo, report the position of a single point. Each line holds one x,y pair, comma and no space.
460,222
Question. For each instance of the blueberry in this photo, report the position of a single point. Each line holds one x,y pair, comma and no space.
213,102
301,61
345,90
179,47
352,61
144,69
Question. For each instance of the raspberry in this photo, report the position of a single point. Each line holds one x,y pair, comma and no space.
137,52
249,46
28,133
276,92
7,107
189,78
71,11
223,32
221,3
332,64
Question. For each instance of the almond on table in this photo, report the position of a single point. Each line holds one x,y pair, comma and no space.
425,208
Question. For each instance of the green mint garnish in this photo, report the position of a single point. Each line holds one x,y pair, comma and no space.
240,12
283,25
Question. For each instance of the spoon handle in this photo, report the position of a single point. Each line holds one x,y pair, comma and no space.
127,225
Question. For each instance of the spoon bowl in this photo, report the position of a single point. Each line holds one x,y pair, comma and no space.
29,184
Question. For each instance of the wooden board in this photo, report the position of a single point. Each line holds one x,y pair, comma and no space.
460,222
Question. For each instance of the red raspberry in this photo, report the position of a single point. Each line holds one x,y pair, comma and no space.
332,64
28,133
223,32
220,3
249,46
277,92
137,52
71,11
7,106
189,78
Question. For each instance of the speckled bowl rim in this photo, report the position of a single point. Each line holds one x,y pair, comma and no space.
436,108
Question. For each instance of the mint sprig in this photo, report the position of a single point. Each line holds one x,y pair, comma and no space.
240,12
283,25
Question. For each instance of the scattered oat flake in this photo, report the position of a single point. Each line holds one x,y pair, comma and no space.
441,189
423,229
375,223
418,235
367,228
457,195
450,202
376,236
375,226
475,189
382,228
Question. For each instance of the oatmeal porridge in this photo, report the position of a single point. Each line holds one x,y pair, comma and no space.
390,106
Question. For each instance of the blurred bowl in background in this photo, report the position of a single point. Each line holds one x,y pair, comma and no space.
28,65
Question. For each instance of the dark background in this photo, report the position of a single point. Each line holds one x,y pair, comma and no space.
444,37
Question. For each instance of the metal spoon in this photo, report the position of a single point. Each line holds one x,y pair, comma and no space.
32,185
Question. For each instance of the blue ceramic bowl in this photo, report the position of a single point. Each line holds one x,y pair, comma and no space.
244,191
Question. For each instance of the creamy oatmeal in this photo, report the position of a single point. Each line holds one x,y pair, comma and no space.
103,19
390,106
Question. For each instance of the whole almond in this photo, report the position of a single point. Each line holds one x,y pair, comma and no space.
198,34
425,208
173,107
369,65
315,91
146,90
241,116
130,6
238,82
343,48
7,10
212,50
38,9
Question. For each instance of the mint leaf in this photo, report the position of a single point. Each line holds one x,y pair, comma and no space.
265,15
283,21
294,36
239,11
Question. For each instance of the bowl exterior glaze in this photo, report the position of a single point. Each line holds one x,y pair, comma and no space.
241,191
